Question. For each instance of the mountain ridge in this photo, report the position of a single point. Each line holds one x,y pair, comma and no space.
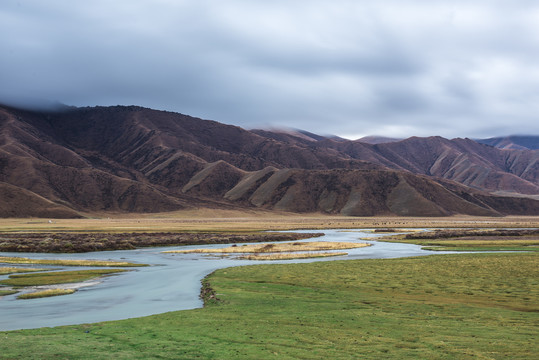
133,159
518,142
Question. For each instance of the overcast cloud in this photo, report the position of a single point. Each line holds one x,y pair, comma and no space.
397,68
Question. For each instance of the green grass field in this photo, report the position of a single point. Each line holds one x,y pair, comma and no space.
466,306
7,292
46,293
456,244
5,270
471,239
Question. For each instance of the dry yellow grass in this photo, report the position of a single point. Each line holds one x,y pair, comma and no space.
277,247
234,220
22,260
290,256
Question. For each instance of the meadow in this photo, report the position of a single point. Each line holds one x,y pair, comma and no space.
462,306
472,240
438,307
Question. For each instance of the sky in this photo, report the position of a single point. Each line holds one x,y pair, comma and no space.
394,68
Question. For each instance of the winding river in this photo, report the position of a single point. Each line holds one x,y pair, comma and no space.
171,283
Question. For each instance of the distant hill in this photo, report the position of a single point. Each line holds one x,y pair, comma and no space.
377,139
518,142
462,160
71,162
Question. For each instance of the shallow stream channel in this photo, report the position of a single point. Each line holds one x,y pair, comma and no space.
171,282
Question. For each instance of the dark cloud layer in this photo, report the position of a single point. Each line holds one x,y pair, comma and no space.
352,68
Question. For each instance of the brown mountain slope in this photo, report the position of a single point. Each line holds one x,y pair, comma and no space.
17,202
214,180
368,193
137,137
136,159
146,140
519,142
34,160
465,161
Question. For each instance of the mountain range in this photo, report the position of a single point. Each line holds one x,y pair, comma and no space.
76,161
519,142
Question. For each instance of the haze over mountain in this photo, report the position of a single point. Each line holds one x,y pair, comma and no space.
373,139
519,142
132,159
395,68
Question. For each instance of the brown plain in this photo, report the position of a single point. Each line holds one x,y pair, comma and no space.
205,220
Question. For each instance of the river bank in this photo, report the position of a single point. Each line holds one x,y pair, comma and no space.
462,306
77,242
172,282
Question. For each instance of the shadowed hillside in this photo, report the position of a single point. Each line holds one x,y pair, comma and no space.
132,159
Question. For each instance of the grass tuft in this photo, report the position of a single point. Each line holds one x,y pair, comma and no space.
277,247
290,256
12,270
56,277
46,293
99,263
7,292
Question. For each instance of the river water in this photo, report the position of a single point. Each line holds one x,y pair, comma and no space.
172,282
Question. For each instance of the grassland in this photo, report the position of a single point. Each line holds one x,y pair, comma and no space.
7,292
116,232
46,293
248,221
56,277
472,240
466,306
5,270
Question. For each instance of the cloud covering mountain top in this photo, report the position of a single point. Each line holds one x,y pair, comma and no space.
350,68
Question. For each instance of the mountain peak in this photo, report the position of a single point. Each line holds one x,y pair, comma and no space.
134,159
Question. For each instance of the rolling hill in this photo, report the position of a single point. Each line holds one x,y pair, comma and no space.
71,162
